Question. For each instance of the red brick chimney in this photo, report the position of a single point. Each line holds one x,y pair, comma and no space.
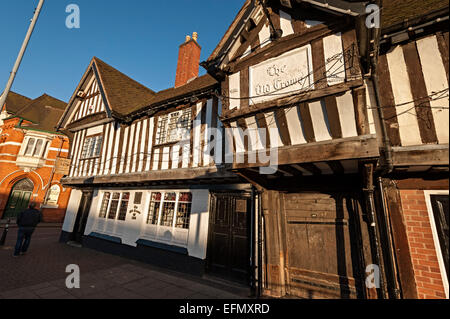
188,60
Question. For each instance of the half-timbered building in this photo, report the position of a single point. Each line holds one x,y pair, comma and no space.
311,160
144,183
412,78
329,133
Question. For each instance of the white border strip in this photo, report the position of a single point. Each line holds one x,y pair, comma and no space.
437,244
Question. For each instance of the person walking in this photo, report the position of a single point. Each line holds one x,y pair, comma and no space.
27,222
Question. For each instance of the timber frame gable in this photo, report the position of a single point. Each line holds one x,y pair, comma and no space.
304,87
161,137
87,103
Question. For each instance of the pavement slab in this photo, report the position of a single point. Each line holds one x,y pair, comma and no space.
41,274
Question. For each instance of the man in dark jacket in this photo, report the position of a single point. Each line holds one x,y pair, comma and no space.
27,222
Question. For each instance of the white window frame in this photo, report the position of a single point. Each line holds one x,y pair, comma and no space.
116,217
94,155
43,152
175,215
437,244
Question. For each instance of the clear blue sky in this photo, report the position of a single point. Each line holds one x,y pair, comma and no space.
138,37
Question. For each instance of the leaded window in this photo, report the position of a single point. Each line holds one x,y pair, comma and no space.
124,206
174,127
174,208
105,203
92,147
168,209
114,205
153,211
184,210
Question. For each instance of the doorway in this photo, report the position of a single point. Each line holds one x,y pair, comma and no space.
82,216
324,245
19,199
228,254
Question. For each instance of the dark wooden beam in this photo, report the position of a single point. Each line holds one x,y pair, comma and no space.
362,147
291,100
421,156
202,175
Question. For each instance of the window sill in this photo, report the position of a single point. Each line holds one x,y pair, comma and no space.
30,162
50,206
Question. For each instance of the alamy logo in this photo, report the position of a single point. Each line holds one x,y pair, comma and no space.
73,280
373,16
373,277
259,152
73,19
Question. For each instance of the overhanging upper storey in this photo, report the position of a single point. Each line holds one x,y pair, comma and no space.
293,85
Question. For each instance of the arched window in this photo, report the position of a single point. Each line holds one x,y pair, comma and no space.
53,195
30,146
24,185
38,148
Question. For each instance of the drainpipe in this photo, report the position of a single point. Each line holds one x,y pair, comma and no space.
252,243
387,165
374,45
373,231
260,248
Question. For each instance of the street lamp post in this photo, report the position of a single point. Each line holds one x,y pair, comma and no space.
21,53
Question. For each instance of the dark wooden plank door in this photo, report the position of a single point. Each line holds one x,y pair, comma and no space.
441,216
17,202
323,250
228,242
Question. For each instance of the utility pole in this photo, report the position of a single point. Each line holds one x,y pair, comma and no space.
12,76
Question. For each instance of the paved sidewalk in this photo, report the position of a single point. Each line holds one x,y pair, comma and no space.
41,275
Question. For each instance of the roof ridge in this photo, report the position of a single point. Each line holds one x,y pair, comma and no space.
42,97
96,59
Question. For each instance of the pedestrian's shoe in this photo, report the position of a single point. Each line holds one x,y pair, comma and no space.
15,256
23,253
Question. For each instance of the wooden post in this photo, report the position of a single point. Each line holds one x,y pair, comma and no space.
275,256
402,250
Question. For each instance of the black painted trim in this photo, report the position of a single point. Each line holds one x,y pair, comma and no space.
151,255
153,244
106,237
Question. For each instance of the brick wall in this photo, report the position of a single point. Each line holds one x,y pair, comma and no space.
423,252
11,141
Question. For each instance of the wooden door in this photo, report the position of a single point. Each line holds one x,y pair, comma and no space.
324,257
228,242
19,199
441,216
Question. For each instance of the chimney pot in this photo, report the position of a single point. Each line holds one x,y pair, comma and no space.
188,38
195,36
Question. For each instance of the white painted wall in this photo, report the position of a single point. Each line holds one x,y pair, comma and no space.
72,210
194,239
235,90
436,81
406,112
198,228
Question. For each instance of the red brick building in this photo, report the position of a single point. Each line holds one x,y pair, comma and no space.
29,148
